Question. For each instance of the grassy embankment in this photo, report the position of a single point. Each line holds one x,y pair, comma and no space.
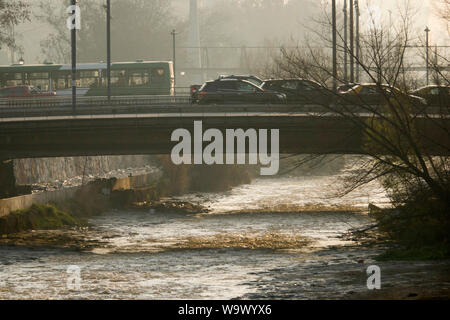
39,217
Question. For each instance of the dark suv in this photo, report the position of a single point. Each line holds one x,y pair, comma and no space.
250,78
224,91
299,90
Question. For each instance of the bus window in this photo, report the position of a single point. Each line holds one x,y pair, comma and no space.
60,83
118,78
89,79
38,79
138,78
60,80
13,79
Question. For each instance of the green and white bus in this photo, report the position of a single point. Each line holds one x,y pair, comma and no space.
127,78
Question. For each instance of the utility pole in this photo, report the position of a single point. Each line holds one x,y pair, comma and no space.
74,59
352,49
11,49
427,30
436,65
345,42
333,17
174,33
357,40
108,48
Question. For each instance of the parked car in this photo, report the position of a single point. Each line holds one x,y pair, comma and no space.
24,92
375,94
434,94
250,78
224,91
299,90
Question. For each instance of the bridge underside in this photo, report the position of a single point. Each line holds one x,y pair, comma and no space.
152,135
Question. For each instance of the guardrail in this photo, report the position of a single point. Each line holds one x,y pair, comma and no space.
92,101
141,105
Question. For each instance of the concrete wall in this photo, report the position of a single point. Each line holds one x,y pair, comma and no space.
135,182
44,170
23,202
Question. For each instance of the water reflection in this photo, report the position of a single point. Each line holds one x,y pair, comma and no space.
250,233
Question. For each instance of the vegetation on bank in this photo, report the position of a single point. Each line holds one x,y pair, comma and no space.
39,217
405,141
91,199
419,229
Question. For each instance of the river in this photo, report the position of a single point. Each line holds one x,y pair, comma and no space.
274,238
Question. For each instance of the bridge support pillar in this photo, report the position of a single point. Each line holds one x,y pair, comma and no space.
7,179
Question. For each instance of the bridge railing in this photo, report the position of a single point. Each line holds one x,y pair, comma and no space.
93,101
136,106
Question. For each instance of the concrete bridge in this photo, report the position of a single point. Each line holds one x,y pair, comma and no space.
134,127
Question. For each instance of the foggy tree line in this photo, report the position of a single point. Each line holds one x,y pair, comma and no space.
12,13
141,29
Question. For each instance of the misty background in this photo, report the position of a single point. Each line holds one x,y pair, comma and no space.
235,36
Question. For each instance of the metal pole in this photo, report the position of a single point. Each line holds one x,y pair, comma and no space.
173,33
345,42
108,48
333,17
12,51
436,64
352,50
357,41
427,30
74,62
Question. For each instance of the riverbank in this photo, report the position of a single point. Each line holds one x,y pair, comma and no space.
236,249
144,192
143,255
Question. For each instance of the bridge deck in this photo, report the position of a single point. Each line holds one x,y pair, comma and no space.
42,131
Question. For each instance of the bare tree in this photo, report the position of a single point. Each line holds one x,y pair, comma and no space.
442,10
399,150
11,13
139,29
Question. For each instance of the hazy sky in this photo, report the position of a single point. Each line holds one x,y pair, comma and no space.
30,34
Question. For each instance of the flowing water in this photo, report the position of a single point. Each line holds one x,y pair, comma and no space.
273,238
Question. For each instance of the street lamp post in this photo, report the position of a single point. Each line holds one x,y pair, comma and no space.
352,50
74,59
174,33
427,30
333,15
357,40
345,42
108,48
